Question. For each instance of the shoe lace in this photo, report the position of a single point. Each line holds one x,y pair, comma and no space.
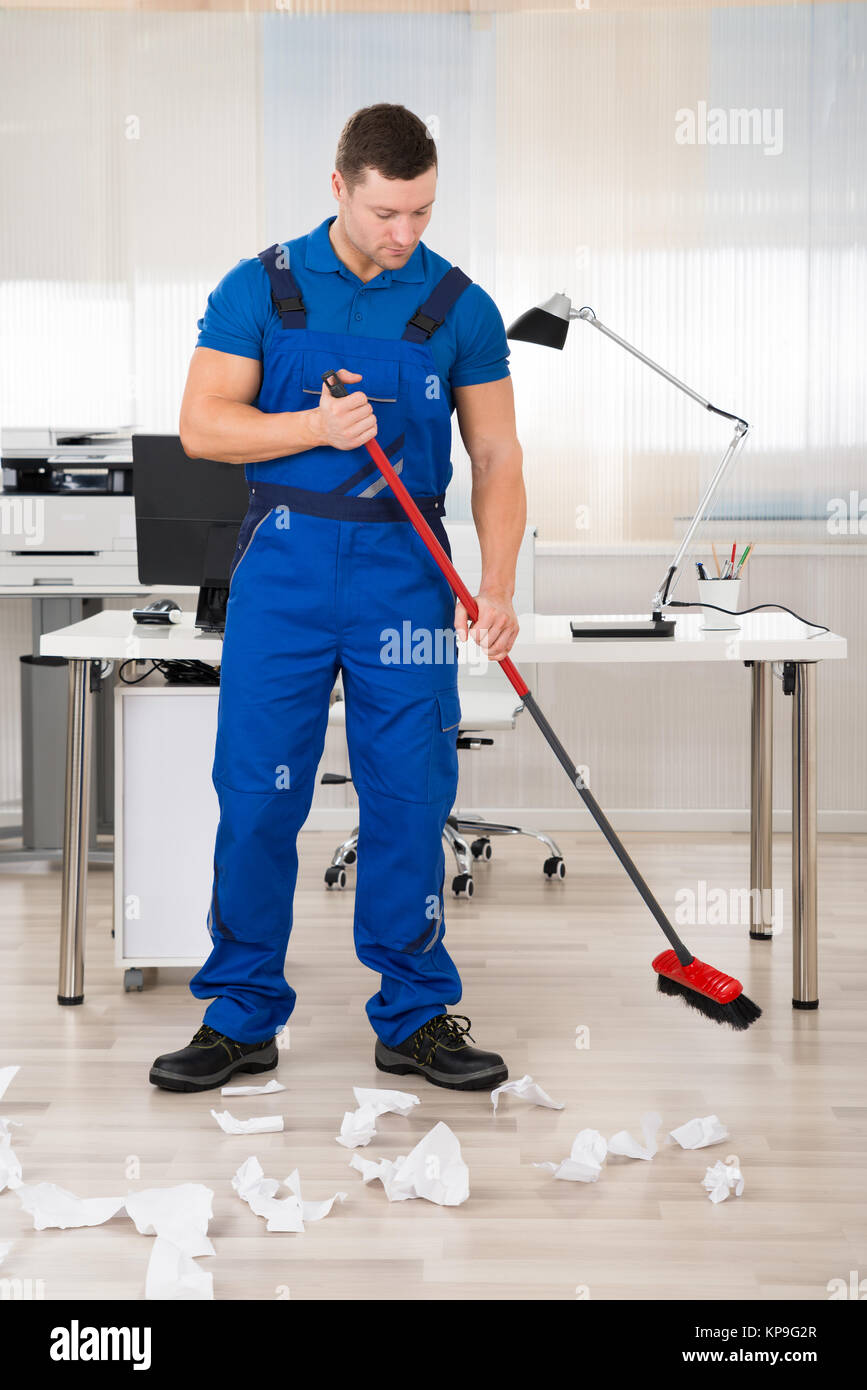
450,1029
205,1034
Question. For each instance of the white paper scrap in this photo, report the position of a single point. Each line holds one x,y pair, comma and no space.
623,1142
700,1133
53,1206
250,1175
174,1275
258,1192
386,1102
6,1075
260,1124
312,1211
722,1179
268,1090
584,1163
434,1170
359,1126
179,1214
382,1168
10,1166
525,1089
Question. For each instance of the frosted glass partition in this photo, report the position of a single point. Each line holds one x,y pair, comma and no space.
696,176
130,183
693,173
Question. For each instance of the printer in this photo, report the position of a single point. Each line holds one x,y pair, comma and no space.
67,513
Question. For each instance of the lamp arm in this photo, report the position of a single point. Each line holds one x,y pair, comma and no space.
741,430
666,589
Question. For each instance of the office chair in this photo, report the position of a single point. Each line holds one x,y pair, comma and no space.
485,709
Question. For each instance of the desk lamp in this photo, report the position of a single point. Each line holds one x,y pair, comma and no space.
547,324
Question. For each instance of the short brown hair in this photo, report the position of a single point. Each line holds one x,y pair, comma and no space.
387,138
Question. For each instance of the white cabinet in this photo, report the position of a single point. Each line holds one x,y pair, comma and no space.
166,815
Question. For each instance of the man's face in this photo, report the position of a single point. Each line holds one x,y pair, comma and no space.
385,218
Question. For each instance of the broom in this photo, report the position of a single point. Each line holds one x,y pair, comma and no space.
716,995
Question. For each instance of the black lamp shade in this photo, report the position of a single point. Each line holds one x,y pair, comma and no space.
538,326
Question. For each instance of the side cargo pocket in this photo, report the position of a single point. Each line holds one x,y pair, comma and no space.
443,767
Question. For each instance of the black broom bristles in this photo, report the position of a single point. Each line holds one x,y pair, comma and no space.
739,1014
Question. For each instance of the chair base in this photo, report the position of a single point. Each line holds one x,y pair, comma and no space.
465,852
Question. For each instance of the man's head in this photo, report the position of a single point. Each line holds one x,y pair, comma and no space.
385,182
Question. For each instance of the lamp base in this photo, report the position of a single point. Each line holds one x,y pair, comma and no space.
623,628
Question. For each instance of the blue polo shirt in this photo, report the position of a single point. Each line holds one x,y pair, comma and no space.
469,347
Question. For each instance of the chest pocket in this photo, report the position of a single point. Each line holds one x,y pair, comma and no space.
380,380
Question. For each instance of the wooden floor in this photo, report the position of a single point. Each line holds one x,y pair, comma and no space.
539,960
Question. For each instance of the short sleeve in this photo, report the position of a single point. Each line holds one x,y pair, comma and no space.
237,311
482,347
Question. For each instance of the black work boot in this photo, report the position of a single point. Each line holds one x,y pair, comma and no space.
209,1060
437,1052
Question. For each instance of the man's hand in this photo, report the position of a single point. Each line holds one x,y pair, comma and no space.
344,422
496,627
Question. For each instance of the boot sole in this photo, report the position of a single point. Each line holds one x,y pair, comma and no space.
174,1081
398,1065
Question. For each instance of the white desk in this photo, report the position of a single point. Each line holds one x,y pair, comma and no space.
764,638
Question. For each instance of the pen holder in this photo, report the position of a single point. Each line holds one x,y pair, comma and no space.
724,594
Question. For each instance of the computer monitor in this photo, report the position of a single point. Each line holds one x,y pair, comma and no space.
187,514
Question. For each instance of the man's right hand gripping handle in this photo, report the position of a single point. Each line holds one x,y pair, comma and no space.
345,422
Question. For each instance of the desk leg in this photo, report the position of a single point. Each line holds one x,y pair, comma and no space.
805,964
761,801
76,823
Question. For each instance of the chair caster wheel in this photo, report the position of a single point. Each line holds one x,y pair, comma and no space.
350,856
481,849
554,868
463,886
133,979
335,877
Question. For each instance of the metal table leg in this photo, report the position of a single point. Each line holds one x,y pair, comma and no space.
761,801
70,986
805,964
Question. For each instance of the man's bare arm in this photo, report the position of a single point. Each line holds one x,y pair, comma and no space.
218,421
486,417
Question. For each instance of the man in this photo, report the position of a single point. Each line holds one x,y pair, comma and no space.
327,570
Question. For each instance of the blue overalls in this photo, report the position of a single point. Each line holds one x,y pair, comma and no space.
329,575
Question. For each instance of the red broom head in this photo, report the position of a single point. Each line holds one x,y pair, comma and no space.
707,989
704,979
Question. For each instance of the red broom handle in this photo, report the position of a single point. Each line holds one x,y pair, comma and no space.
332,380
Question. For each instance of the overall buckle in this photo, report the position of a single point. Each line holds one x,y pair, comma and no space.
425,322
293,304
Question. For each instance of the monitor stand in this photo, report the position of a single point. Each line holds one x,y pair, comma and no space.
211,608
214,589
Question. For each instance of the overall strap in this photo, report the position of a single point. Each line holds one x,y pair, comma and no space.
285,293
428,318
